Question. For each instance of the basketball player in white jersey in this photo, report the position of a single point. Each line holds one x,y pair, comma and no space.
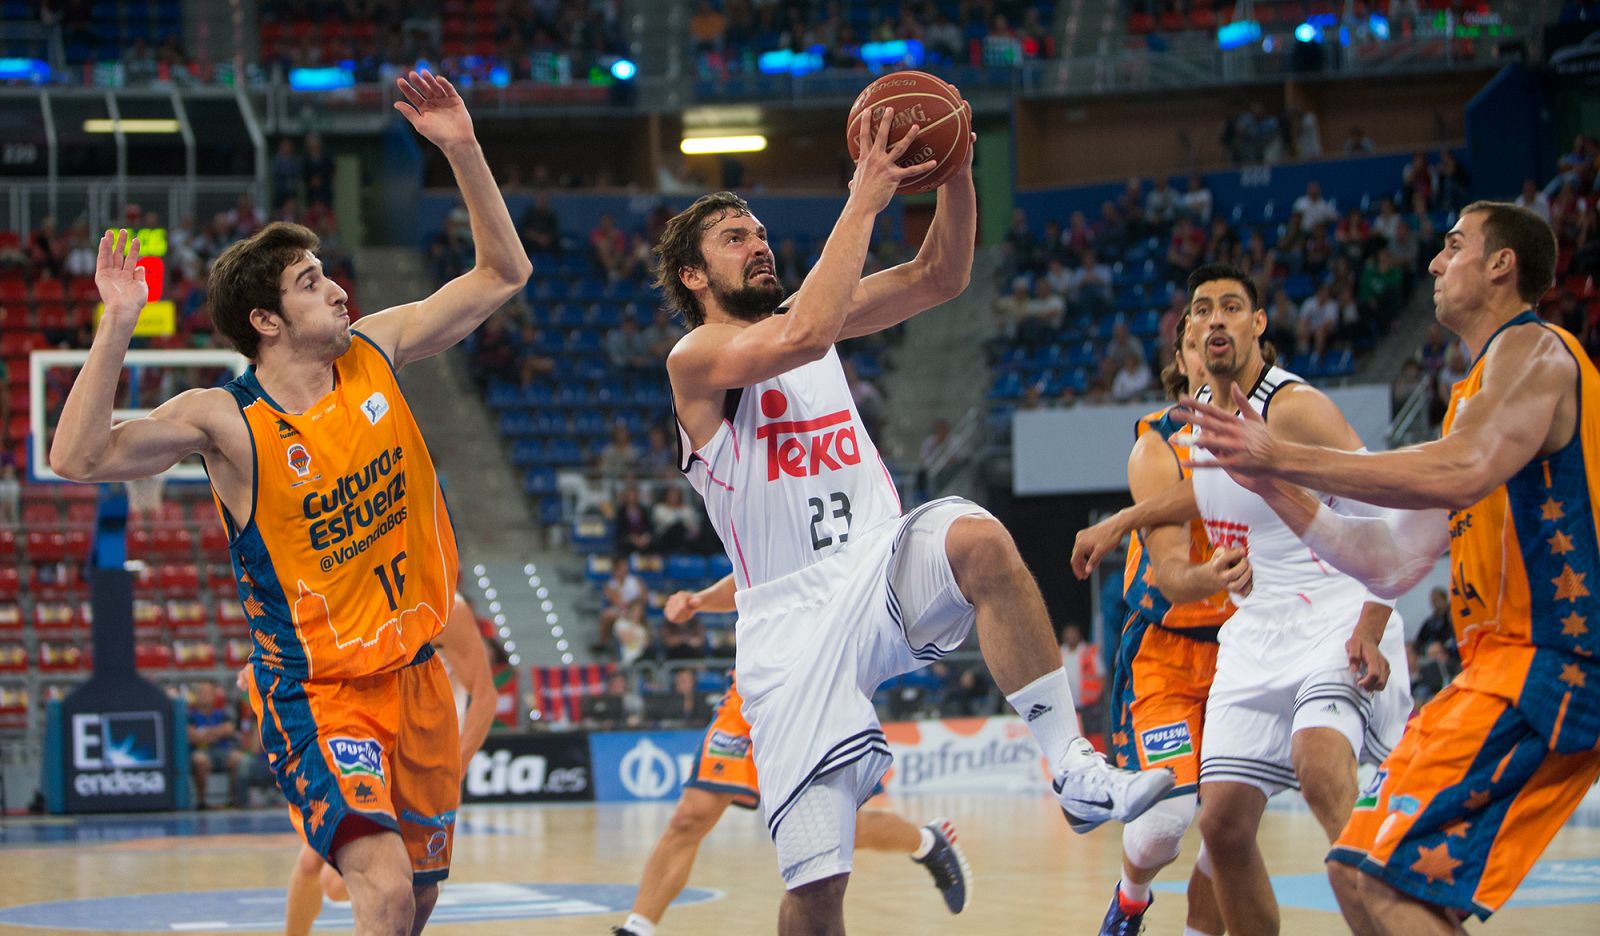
466,660
836,591
1303,686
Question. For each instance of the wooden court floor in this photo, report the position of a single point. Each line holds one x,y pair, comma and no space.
1032,875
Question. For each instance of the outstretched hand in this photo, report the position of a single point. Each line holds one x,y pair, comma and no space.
433,106
878,174
1095,543
1238,442
119,277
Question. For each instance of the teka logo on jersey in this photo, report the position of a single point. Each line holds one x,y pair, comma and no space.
805,448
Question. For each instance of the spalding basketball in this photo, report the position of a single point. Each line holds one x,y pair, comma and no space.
944,122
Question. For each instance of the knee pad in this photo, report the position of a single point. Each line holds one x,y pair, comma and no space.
816,839
1154,839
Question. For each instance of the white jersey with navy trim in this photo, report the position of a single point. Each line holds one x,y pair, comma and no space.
1281,565
791,475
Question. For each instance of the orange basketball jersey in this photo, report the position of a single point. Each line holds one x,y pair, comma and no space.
1524,566
1138,580
347,564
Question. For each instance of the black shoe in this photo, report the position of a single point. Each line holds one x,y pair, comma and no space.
1119,922
951,873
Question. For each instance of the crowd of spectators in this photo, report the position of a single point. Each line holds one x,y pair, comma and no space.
728,36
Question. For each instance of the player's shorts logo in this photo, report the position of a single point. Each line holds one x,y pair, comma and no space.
1369,796
1165,742
724,744
357,757
299,459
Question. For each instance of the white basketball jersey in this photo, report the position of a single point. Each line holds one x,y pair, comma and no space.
1281,566
791,474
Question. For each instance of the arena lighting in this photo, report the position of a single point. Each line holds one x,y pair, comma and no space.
905,53
130,125
1238,33
706,146
623,69
1305,32
24,69
333,78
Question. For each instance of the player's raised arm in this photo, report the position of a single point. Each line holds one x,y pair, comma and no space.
417,330
716,356
938,273
86,447
1528,374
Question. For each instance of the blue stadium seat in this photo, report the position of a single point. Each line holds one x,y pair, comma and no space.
515,423
718,565
538,481
597,568
550,509
1007,386
1299,286
686,568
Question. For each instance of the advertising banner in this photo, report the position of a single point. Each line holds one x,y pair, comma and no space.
964,755
647,766
536,768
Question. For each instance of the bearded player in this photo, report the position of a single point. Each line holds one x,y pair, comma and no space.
836,591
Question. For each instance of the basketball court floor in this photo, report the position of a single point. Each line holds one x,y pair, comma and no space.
563,870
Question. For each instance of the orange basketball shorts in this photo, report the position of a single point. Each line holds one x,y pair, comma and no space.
379,748
725,763
1460,811
1159,686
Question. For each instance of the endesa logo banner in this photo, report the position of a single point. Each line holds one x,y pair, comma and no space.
967,755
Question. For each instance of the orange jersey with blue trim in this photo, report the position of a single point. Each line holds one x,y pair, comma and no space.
1525,564
347,564
1138,579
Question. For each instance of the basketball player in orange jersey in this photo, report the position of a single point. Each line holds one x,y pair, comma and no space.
341,543
466,662
836,590
1176,587
725,775
1493,765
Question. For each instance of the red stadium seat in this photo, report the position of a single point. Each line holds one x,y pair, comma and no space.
10,617
152,656
149,617
49,290
13,657
187,616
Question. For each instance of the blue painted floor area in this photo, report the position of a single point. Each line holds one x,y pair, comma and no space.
261,909
1550,884
78,830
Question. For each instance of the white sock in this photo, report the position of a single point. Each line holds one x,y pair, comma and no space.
640,925
1046,705
926,846
1136,893
1191,931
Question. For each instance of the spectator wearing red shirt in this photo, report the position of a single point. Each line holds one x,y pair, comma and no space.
610,245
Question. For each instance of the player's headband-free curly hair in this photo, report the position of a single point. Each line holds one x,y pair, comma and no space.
679,249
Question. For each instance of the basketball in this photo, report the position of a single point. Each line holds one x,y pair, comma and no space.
927,102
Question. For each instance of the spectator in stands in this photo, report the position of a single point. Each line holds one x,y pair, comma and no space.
1058,278
624,596
1533,199
317,173
868,399
1132,379
139,63
1382,288
1121,347
81,250
1405,383
1112,229
1453,371
707,27
609,246
541,228
1307,134
1009,312
10,487
968,696
213,737
685,640
619,458
659,458
452,251
677,523
1046,308
944,40
1313,209
660,337
1131,205
47,252
627,348
1024,244
1435,670
495,355
286,173
1455,185
1161,205
1222,243
1317,250
1388,221
1350,317
684,703
1586,246
1356,142
1419,182
1196,202
1091,285
1351,235
618,706
1086,670
1319,316
534,363
1185,250
1566,215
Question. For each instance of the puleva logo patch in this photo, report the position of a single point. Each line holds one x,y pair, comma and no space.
1369,796
1164,742
299,459
375,407
724,744
357,757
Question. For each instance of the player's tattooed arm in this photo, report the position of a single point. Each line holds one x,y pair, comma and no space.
417,330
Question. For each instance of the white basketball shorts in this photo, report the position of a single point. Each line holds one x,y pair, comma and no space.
813,647
1282,668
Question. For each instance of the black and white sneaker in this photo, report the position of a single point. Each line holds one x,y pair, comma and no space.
951,873
1095,792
